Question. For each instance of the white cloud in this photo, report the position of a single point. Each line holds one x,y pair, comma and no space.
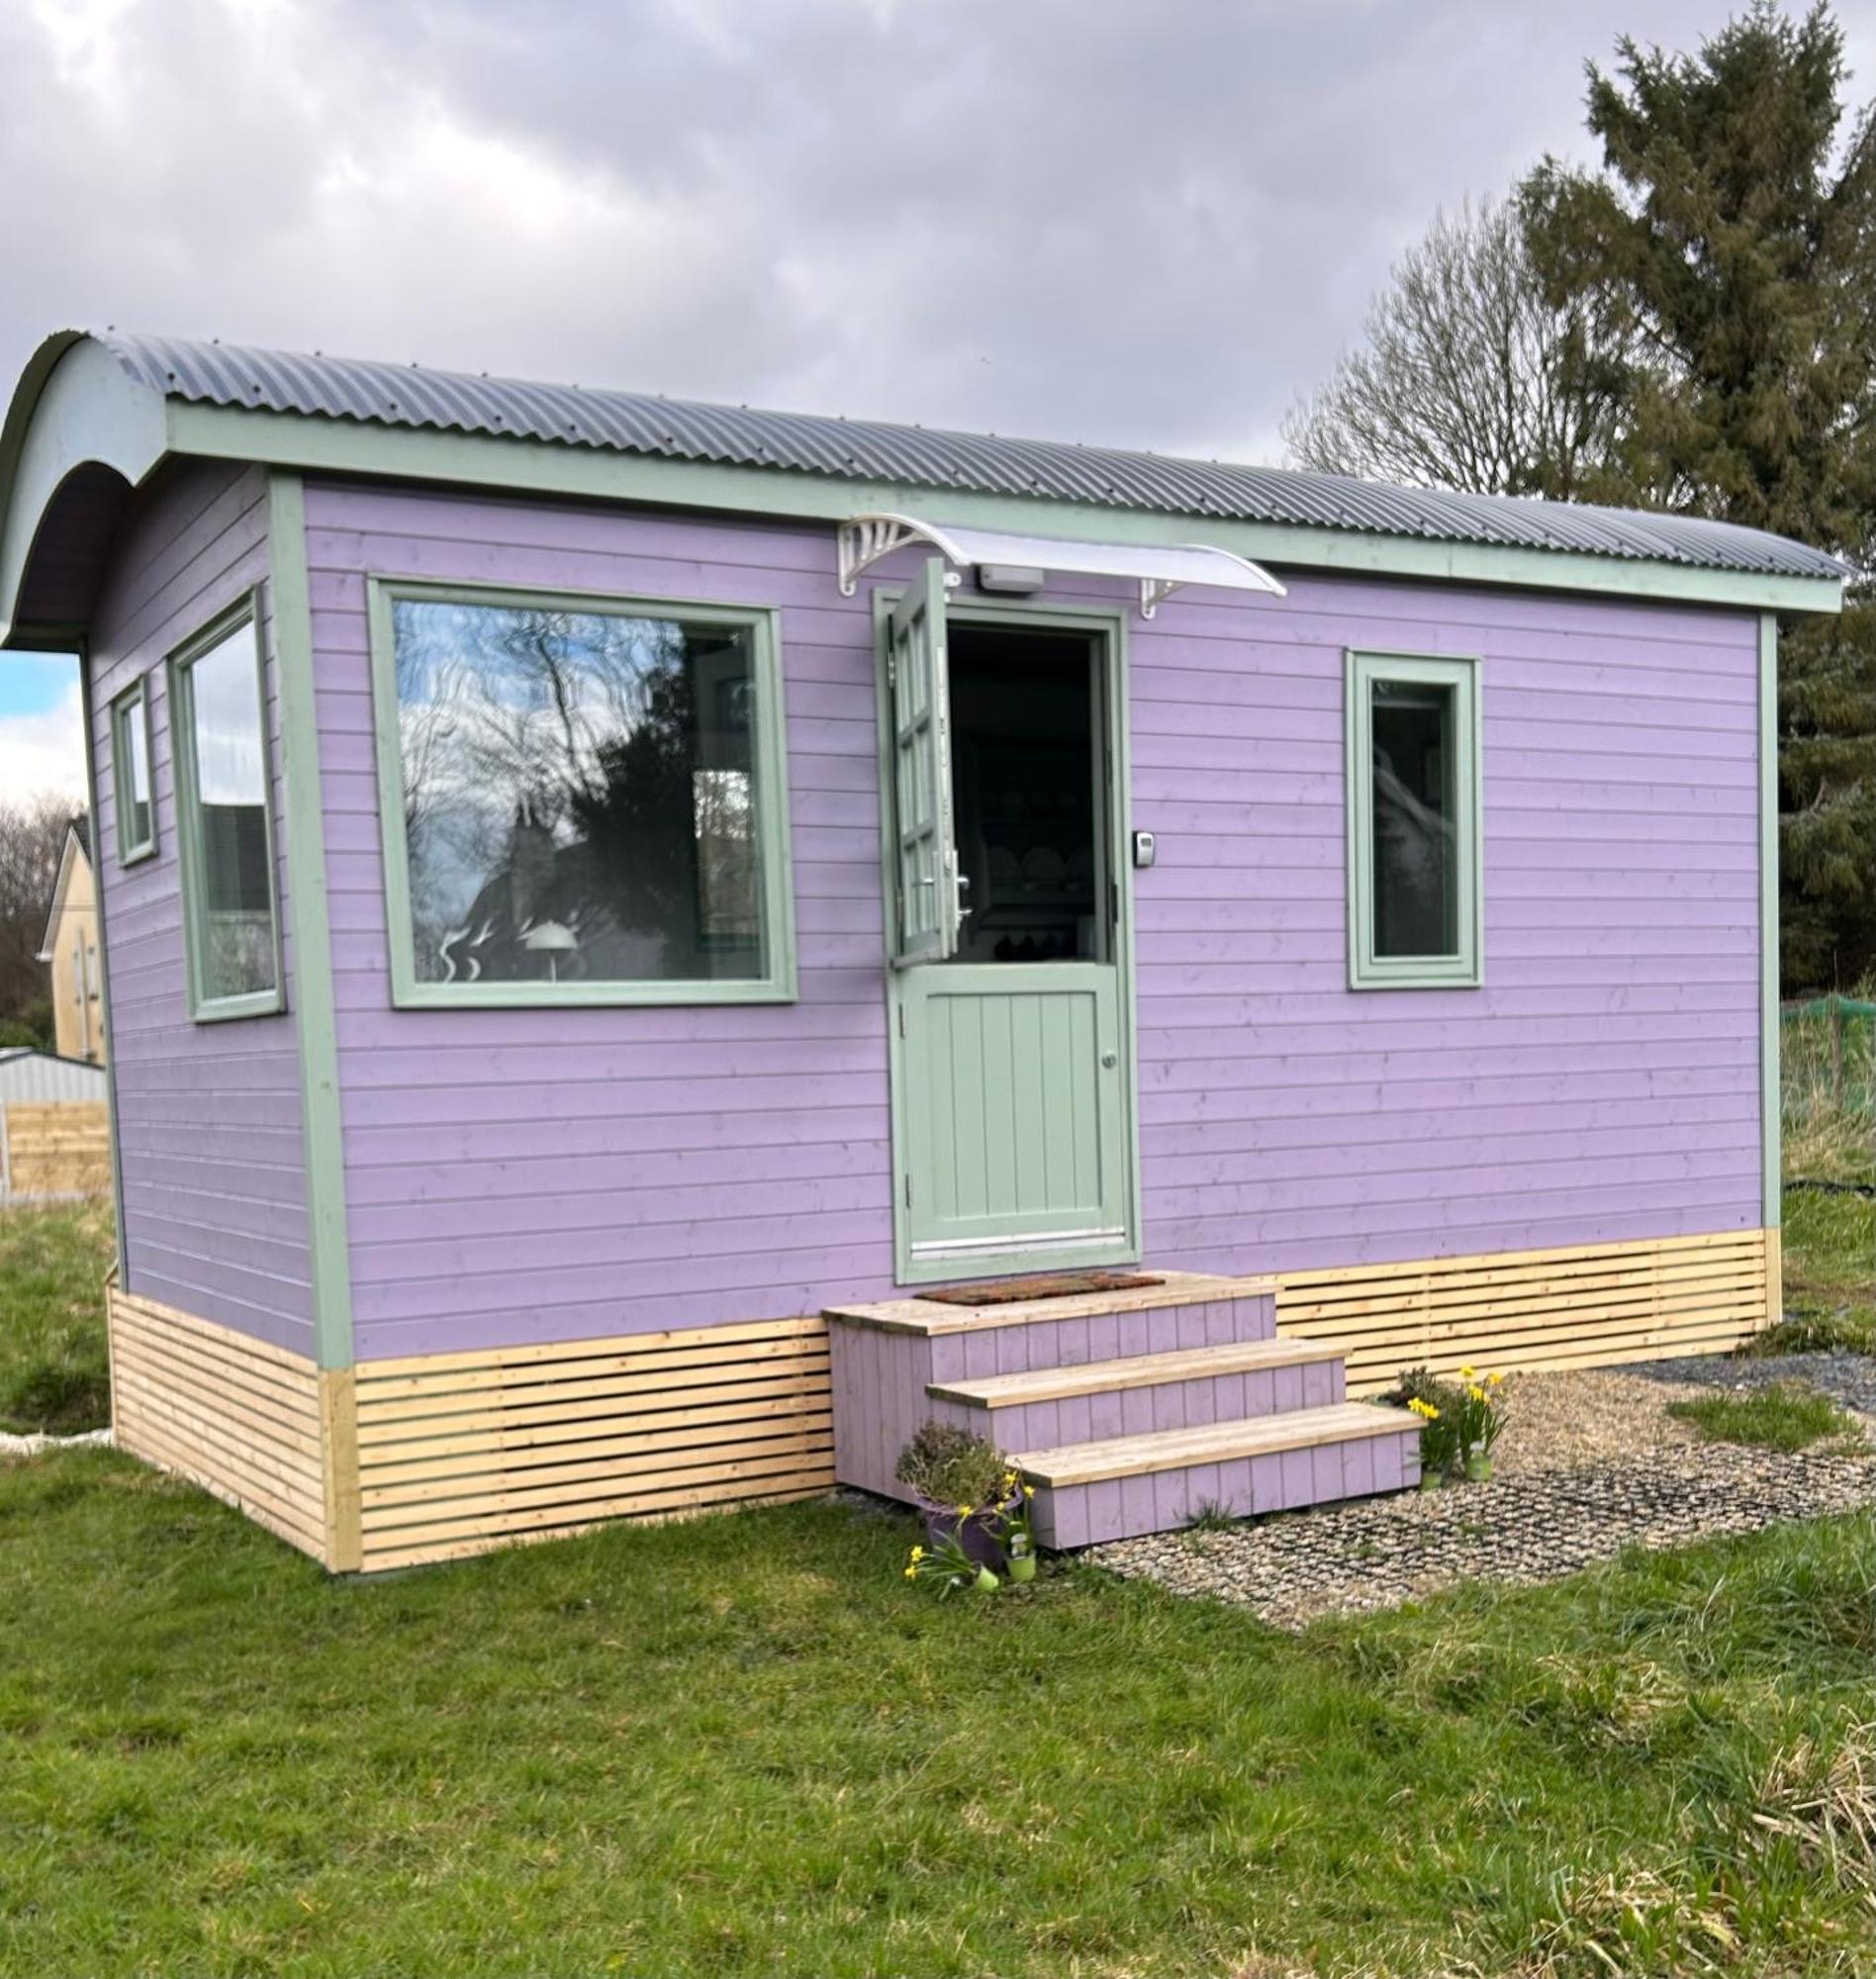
44,751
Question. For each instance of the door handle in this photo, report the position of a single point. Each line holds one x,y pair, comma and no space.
1110,1059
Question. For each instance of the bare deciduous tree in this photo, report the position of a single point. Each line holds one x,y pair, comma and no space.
1466,376
31,837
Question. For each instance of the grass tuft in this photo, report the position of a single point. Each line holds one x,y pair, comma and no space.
1786,1416
1821,1803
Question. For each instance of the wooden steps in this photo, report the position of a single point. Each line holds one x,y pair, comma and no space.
933,1319
1135,1370
1132,1411
1214,1443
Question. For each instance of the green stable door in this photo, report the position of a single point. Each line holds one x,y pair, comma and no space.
1011,1044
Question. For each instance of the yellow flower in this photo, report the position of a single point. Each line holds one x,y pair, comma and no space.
1468,1373
1424,1410
1494,1379
918,1553
1476,1392
911,1573
963,1511
1029,1490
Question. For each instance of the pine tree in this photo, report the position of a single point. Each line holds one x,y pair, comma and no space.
1732,234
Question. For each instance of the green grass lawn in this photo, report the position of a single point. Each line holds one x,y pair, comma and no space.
53,1371
1829,1273
746,1745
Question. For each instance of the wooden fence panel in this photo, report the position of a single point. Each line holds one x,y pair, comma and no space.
57,1148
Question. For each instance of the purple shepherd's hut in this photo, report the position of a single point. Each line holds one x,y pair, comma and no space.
627,923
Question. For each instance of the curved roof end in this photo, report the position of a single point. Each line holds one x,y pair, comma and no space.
81,430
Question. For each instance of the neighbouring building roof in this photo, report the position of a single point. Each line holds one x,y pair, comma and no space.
632,423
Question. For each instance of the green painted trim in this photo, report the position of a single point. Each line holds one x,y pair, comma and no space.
99,890
1771,1086
1361,668
254,1003
315,1011
774,841
317,444
1110,627
132,855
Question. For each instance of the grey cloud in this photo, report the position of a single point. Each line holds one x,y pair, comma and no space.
1094,219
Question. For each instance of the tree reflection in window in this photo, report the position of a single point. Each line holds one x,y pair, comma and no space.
580,795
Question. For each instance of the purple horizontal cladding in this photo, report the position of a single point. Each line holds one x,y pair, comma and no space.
521,1175
1078,1515
1141,1411
208,1123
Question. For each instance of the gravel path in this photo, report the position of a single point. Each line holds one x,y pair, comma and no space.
1590,1464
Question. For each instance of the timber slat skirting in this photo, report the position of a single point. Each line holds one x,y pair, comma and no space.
466,1451
237,1416
1584,1305
427,1457
435,1457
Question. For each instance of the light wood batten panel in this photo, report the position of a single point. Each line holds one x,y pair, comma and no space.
1586,1305
235,1415
460,1453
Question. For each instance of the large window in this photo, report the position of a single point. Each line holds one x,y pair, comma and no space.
583,799
129,770
222,823
1414,834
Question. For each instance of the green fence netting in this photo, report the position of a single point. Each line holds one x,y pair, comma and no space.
1828,1047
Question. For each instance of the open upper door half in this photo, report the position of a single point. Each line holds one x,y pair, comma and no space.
926,914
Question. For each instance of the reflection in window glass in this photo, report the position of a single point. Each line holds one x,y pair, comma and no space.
233,914
580,795
136,828
1415,813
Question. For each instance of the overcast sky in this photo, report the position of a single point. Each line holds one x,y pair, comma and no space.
1145,222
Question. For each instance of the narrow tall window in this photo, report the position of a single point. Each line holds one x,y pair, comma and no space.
583,799
222,823
1414,829
129,764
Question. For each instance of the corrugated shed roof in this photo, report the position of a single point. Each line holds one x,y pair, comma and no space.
394,394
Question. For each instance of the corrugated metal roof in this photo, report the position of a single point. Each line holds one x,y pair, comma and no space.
379,394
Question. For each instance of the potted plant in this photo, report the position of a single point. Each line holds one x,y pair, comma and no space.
958,1480
1019,1535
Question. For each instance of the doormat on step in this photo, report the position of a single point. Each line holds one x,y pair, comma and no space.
1050,1286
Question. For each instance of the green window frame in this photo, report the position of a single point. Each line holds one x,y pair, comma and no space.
1460,964
130,722
774,848
205,1006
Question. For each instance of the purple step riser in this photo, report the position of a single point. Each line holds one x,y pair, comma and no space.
880,1376
1115,1336
1078,1515
1141,1411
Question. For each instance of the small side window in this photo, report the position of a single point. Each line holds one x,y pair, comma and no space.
130,769
1415,865
224,832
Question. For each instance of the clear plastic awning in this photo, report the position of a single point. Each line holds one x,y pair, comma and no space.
1161,569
